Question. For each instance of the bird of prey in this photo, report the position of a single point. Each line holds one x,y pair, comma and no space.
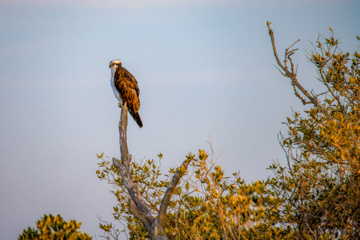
126,89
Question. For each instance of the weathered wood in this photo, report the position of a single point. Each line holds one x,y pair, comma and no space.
154,227
125,156
124,165
170,190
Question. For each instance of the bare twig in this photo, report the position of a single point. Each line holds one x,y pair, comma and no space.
291,73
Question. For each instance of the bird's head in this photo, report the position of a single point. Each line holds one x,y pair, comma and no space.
114,64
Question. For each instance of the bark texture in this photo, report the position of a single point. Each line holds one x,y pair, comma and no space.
154,226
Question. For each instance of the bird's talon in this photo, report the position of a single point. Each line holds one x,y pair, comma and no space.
120,105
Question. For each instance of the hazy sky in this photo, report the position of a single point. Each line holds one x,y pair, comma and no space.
204,68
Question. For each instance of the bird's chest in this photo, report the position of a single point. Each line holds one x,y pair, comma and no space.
112,83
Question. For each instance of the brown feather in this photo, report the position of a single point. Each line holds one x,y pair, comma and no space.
129,91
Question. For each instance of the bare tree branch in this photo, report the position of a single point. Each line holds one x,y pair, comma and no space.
137,205
171,188
140,215
144,214
125,156
132,190
292,73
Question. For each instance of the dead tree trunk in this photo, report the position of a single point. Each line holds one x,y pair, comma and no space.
154,226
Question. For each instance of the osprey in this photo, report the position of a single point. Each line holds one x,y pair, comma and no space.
126,89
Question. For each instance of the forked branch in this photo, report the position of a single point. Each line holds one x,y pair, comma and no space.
291,73
137,205
123,167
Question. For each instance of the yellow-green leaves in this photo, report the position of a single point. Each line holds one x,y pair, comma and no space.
203,155
52,227
206,205
318,187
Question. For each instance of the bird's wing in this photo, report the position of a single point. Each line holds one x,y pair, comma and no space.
128,88
133,80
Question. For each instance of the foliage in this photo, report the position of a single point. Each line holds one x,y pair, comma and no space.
205,205
320,188
50,227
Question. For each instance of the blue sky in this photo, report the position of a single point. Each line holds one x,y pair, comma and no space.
205,70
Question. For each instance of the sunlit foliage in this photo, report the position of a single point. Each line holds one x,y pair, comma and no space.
320,187
206,204
52,227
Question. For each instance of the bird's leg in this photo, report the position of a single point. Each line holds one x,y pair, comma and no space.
120,104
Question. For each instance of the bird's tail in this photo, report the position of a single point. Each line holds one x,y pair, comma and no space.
136,117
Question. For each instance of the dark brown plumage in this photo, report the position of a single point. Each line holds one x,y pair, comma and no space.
127,86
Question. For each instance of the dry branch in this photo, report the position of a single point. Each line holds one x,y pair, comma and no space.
137,205
170,190
292,73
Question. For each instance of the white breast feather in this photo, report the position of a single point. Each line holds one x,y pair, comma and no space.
116,92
